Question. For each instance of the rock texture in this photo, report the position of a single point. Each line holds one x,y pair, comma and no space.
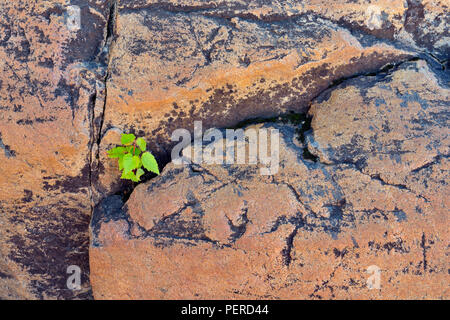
170,67
70,84
376,195
222,62
51,77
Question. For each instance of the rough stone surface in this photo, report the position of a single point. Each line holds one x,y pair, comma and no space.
68,92
414,23
170,67
49,75
221,62
375,196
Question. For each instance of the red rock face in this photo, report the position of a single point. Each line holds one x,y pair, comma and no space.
71,84
169,68
314,230
49,73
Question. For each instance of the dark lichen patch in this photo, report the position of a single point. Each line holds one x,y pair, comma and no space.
58,238
71,184
109,209
398,246
400,214
286,252
6,149
28,196
24,122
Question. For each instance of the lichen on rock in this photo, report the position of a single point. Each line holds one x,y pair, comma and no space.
372,168
312,229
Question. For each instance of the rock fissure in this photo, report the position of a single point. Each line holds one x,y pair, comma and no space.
100,95
105,55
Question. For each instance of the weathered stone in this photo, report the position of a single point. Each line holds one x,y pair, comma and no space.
412,23
49,74
375,197
67,91
171,65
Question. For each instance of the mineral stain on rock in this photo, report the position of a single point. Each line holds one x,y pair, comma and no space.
248,236
364,169
7,149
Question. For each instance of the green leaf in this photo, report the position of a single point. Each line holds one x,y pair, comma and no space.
127,163
137,152
149,162
130,176
139,173
141,144
116,152
127,139
136,162
121,163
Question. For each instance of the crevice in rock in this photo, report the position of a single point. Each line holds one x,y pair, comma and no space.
301,121
398,186
444,63
91,108
102,61
376,177
106,56
100,212
434,161
380,74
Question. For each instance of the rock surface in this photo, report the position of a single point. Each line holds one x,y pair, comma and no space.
177,61
375,196
50,79
69,85
170,67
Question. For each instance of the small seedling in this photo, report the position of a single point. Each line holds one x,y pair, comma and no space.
132,157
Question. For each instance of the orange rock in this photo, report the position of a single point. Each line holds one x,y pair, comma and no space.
314,230
49,72
169,68
70,85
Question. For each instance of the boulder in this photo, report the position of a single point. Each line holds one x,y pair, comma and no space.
76,74
172,64
52,69
360,194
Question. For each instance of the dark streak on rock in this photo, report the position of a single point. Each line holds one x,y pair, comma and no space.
286,252
6,149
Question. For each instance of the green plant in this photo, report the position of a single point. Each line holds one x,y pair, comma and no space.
132,156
